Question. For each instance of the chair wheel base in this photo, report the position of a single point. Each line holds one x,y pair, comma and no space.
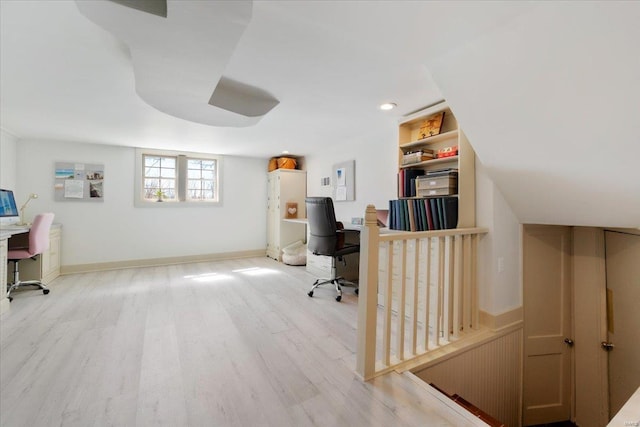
310,293
45,291
357,291
339,298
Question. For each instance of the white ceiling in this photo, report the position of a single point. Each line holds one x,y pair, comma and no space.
329,63
548,92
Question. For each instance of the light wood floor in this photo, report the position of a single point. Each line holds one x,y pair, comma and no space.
232,343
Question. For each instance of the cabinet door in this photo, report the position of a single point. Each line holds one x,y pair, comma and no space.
3,267
51,258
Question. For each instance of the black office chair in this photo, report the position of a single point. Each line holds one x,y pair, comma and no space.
327,237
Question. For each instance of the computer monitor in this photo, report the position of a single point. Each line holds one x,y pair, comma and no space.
8,210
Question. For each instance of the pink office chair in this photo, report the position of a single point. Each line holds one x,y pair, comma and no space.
38,243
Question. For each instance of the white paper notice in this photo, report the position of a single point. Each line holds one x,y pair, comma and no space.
73,189
341,193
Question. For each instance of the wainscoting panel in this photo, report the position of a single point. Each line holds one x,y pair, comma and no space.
489,376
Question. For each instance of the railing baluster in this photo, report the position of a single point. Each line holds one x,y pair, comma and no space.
457,284
447,288
388,301
402,300
414,311
466,288
440,313
427,299
473,283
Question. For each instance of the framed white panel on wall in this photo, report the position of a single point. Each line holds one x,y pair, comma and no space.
79,182
344,181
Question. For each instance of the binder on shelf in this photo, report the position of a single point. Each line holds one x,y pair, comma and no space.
405,177
427,208
450,212
440,205
434,213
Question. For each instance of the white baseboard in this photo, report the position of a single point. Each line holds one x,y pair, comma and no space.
496,322
154,262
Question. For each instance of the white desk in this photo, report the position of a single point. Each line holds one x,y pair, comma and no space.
320,265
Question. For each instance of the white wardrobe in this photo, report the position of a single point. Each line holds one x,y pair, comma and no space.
285,186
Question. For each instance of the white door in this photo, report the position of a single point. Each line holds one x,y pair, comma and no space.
547,324
623,293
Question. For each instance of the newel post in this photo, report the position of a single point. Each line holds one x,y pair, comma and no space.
368,295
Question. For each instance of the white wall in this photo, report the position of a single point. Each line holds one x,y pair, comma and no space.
376,159
499,250
8,144
115,231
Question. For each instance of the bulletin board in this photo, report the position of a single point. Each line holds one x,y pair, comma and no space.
79,182
344,181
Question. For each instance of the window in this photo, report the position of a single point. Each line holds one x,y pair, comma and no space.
201,182
159,177
176,178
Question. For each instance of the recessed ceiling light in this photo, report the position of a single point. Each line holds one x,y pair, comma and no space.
388,106
285,151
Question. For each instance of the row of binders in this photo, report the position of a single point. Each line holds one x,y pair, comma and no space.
436,213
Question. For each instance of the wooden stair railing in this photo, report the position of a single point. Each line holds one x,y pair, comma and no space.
417,293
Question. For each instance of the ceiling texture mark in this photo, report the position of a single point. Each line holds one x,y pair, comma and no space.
156,7
179,58
241,98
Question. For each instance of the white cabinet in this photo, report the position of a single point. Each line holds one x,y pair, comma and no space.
51,258
285,186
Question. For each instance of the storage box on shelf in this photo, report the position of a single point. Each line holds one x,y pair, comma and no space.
451,170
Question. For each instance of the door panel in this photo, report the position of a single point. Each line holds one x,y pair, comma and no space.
547,322
623,284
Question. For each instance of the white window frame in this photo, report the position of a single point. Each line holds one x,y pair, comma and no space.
181,179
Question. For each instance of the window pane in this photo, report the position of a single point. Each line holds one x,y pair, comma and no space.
194,174
151,183
209,164
168,162
194,164
168,173
151,161
207,174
